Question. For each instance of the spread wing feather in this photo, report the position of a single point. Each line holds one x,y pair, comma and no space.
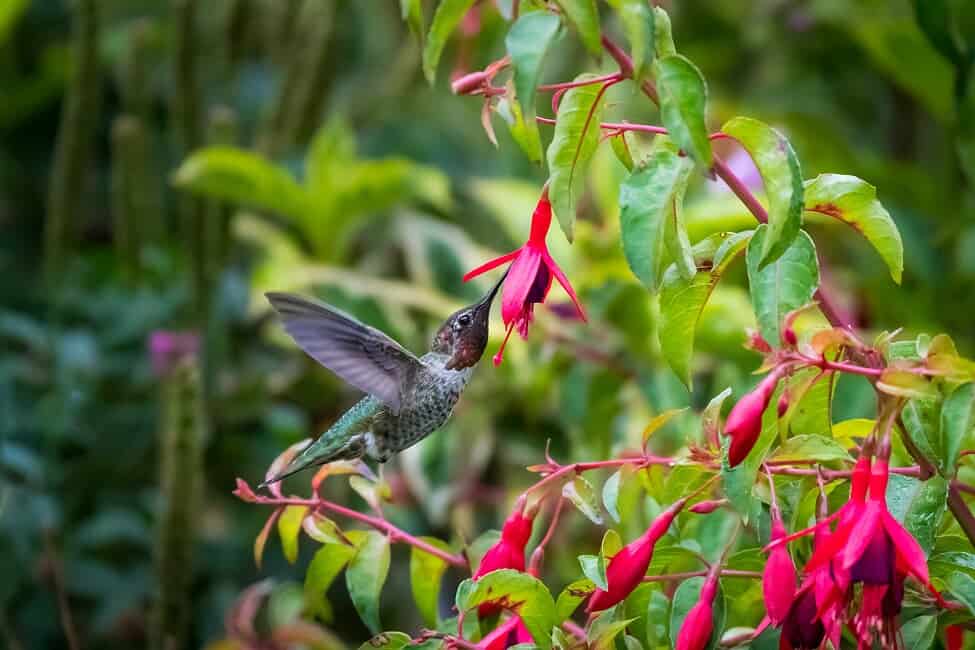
361,355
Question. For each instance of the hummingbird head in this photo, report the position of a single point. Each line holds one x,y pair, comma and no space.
465,334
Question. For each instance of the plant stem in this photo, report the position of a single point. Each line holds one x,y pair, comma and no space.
78,119
956,502
395,533
559,472
616,76
538,554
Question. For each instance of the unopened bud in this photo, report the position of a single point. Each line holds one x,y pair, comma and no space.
789,337
707,507
469,82
744,423
783,404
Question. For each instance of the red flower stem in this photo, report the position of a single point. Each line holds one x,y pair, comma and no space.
722,170
395,533
535,564
832,475
963,487
560,472
616,76
725,573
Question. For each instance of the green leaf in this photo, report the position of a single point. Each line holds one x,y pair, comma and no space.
412,13
957,421
854,202
786,284
658,608
962,586
682,301
636,17
918,633
10,13
584,16
322,529
686,596
919,505
388,641
606,638
779,167
904,383
611,494
582,495
659,421
325,566
571,597
426,572
366,576
448,15
524,134
810,447
261,540
243,178
519,591
650,203
594,568
683,106
662,34
573,145
934,19
527,43
289,525
331,151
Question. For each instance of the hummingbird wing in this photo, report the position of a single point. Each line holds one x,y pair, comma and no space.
361,355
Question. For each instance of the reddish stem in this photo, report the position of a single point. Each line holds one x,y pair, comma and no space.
535,565
616,76
725,573
395,533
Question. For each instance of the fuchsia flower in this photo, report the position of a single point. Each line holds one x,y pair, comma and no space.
695,632
954,637
779,576
510,633
627,568
509,551
529,277
744,423
802,628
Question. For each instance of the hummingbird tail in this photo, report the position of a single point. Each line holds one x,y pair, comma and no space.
321,452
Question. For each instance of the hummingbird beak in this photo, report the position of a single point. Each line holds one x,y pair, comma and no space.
488,299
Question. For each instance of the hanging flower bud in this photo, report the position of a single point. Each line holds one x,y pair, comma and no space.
802,629
509,551
695,632
744,423
783,405
779,576
470,82
954,637
627,568
707,507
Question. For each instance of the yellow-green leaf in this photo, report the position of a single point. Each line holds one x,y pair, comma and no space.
854,202
524,593
426,571
366,576
325,566
289,525
584,16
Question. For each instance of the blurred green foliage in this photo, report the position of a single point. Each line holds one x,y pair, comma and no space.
353,179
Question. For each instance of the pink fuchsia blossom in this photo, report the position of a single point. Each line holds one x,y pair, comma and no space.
628,567
698,626
779,576
529,277
508,552
802,627
744,423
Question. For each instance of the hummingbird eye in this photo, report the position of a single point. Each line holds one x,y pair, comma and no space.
464,320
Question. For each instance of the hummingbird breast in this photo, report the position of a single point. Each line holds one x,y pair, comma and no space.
425,407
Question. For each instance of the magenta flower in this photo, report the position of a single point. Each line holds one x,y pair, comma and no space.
802,628
529,277
627,568
167,349
508,552
779,576
698,626
744,423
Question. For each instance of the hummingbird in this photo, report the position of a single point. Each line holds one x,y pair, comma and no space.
408,398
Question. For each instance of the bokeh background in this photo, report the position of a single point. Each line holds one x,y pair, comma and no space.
401,192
